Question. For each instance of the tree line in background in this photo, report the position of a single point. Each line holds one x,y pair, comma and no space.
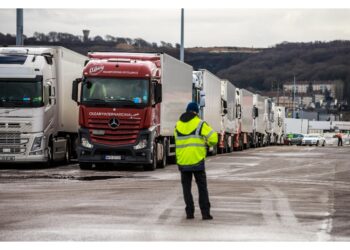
70,39
258,69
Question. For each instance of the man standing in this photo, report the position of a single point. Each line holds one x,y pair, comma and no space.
192,135
340,139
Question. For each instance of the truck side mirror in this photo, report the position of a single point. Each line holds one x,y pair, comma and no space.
75,86
158,93
224,107
255,112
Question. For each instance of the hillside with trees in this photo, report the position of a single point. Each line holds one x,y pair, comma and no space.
256,69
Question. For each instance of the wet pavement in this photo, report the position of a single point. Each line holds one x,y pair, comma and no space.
284,193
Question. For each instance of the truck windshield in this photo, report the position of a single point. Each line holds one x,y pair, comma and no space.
115,90
21,93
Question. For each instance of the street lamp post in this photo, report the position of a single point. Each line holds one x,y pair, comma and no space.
19,30
182,50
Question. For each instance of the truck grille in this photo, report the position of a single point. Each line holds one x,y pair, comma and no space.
15,126
12,143
126,133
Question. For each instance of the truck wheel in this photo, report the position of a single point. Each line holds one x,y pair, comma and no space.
152,166
85,165
215,150
241,145
162,162
49,161
230,148
68,155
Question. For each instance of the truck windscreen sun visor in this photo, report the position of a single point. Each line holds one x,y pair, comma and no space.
12,59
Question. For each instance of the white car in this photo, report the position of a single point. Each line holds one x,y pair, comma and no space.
310,139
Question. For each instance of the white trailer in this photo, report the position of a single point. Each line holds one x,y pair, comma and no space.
341,126
296,126
38,119
176,79
319,127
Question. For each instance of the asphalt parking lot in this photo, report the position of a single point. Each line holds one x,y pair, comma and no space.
278,193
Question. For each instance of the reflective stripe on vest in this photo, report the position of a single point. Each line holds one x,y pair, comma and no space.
210,133
191,145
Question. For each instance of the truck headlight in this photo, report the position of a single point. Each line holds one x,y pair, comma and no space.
37,143
142,144
85,143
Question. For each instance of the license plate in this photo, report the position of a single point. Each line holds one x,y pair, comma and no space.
113,157
7,158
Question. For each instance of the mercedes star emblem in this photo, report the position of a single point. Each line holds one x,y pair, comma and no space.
113,123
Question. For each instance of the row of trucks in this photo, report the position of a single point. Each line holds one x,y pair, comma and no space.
112,107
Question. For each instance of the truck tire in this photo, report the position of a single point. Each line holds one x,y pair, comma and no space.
241,144
152,166
230,148
68,155
85,165
162,163
49,161
215,149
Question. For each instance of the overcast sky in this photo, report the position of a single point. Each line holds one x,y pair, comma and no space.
203,27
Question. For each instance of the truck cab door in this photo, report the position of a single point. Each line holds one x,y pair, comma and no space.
49,106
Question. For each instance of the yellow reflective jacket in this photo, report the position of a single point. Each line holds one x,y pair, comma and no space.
192,135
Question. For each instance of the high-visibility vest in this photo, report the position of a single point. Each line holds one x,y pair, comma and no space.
191,139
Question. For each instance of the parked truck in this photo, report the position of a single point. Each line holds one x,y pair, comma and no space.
129,104
209,86
259,121
269,120
248,114
38,120
278,124
228,118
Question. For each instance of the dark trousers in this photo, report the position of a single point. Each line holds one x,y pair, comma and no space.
340,141
201,180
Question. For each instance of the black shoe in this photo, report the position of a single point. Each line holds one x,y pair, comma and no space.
190,216
207,217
